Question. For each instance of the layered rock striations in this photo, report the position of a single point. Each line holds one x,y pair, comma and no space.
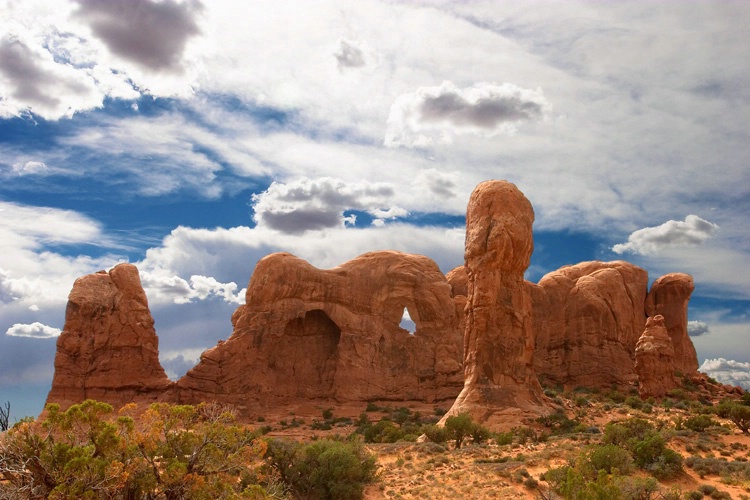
587,320
334,334
498,340
655,360
669,297
108,349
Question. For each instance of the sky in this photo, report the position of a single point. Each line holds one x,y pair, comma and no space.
192,138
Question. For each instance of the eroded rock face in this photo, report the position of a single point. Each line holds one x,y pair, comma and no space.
499,340
654,360
307,333
588,318
108,349
669,297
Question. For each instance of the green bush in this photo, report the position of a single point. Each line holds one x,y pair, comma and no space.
384,431
634,402
740,415
699,423
609,458
324,469
461,426
435,433
647,446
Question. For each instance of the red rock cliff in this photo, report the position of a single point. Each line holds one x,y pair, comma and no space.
669,297
108,349
334,334
588,318
500,382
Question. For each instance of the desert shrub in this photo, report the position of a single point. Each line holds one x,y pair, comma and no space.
616,396
558,423
699,423
384,431
571,483
435,433
461,426
609,458
647,446
693,495
706,489
503,438
176,450
637,488
372,407
634,402
530,483
324,469
740,415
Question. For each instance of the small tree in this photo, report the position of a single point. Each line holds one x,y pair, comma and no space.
5,417
459,427
740,415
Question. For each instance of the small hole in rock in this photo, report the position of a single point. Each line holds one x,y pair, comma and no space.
407,323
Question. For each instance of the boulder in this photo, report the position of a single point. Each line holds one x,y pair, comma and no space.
669,297
307,333
108,349
654,360
500,382
587,320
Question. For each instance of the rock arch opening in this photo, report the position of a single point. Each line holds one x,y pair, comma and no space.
407,323
312,347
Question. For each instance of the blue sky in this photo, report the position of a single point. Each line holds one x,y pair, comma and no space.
194,138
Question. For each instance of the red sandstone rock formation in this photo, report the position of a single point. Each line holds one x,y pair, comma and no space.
459,282
669,297
654,360
307,333
108,349
587,320
499,342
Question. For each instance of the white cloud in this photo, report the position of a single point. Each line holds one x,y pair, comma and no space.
650,240
177,363
696,328
435,114
34,330
30,167
160,288
728,371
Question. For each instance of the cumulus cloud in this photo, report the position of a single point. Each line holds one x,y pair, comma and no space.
696,328
151,34
181,291
728,371
436,113
34,330
177,365
314,204
31,79
649,240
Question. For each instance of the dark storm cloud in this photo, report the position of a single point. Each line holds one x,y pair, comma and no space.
486,112
315,204
301,220
151,34
349,55
696,328
19,65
